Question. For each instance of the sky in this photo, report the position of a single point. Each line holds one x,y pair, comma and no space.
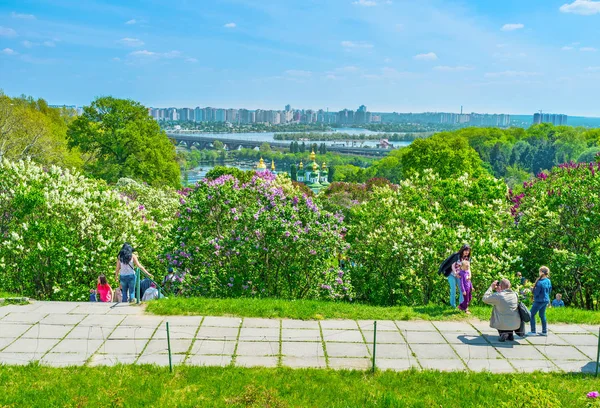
509,56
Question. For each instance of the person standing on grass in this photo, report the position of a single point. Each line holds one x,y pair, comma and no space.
450,268
505,314
125,272
466,287
541,298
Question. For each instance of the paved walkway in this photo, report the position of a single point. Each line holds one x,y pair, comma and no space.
66,333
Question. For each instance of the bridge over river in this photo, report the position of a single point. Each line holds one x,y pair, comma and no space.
202,142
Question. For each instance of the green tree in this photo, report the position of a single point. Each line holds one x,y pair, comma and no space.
302,147
124,141
331,174
293,173
265,147
217,144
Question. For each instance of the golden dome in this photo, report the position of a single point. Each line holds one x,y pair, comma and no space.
315,166
272,164
261,164
324,166
301,165
313,156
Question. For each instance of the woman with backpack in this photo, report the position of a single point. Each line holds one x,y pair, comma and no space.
450,268
125,272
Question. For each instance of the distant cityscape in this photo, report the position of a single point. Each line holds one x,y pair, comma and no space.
345,117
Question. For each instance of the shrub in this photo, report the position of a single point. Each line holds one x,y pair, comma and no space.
59,231
558,215
260,238
399,238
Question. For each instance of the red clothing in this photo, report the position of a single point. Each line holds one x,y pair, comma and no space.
105,293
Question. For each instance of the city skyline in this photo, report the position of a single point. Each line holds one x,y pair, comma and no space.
393,56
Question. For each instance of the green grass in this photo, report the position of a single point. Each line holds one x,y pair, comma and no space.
312,309
151,386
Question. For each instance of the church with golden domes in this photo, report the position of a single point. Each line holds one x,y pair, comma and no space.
314,177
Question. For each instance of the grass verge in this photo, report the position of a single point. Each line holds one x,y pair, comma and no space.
317,310
36,386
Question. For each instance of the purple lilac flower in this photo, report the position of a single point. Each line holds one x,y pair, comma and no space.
230,285
141,207
593,394
313,252
326,287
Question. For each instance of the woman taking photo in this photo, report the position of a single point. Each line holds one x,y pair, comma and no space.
125,272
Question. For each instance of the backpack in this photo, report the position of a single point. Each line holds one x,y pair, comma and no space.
523,311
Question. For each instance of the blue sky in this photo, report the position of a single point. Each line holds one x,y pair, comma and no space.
509,56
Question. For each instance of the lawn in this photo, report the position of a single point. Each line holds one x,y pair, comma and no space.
311,309
147,386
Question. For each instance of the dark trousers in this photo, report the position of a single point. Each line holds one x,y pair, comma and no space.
519,332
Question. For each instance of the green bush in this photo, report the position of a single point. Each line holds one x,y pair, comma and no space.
60,230
262,238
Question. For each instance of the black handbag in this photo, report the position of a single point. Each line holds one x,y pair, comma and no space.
523,311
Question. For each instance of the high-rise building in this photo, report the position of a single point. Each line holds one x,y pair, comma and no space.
198,114
555,119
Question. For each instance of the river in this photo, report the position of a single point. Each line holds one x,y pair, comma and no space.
198,173
270,137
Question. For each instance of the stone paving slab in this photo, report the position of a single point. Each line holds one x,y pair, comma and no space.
207,347
64,334
263,348
303,362
299,349
347,350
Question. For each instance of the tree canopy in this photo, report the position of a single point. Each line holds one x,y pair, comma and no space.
124,141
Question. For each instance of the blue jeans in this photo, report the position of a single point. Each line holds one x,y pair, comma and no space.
539,307
454,283
127,287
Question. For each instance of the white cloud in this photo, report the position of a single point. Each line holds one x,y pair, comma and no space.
356,44
143,53
9,51
593,69
430,56
567,48
588,49
130,42
27,44
298,73
192,60
512,27
23,16
581,7
365,3
49,44
171,54
116,59
331,77
347,68
7,32
511,74
131,22
230,25
458,68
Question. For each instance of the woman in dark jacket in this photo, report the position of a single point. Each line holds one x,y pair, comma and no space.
450,267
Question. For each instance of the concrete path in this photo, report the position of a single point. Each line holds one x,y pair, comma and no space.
68,333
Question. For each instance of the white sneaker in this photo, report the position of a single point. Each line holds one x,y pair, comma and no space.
543,334
531,334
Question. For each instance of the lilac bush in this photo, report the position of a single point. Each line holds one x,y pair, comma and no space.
263,238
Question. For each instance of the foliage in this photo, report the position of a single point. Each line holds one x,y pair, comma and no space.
31,129
557,215
241,175
341,197
59,231
124,141
399,238
256,239
39,386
